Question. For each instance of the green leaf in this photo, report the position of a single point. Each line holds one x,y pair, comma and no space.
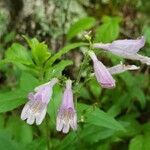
128,78
39,50
108,30
105,146
139,94
134,84
68,141
7,144
2,122
11,100
84,93
56,70
55,104
94,87
26,134
92,133
146,127
23,132
83,109
140,142
98,117
132,126
19,54
62,52
114,58
146,32
118,105
79,26
24,82
23,67
38,144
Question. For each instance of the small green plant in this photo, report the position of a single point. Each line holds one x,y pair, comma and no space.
90,103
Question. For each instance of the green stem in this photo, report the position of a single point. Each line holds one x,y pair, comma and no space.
85,60
82,67
48,134
41,74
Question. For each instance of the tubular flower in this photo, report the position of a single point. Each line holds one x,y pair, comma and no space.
126,49
67,117
102,74
121,68
35,108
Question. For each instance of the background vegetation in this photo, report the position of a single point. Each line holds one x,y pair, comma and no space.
117,119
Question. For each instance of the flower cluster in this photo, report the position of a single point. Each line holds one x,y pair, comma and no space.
35,109
125,48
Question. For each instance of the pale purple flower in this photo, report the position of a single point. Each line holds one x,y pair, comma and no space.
101,72
121,68
67,117
127,48
35,109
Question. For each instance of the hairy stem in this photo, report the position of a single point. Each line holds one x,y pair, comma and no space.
82,67
85,61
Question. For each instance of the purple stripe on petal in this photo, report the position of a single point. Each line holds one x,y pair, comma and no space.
59,124
39,117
